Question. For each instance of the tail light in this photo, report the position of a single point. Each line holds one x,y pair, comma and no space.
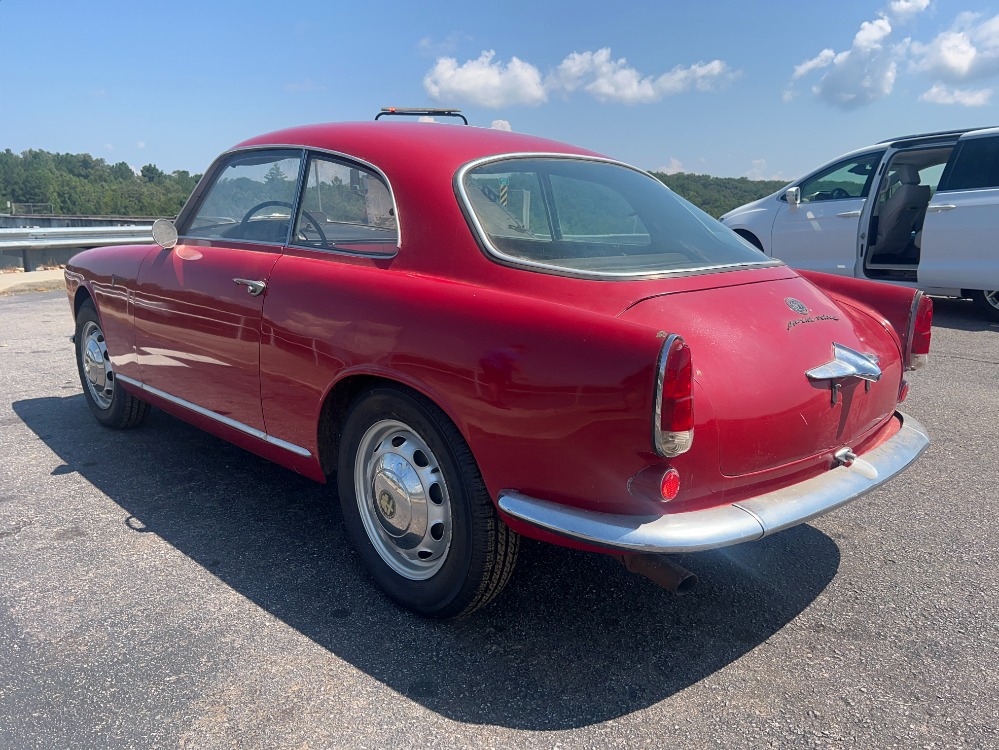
917,350
673,421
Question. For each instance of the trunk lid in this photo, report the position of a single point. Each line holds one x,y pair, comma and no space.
752,345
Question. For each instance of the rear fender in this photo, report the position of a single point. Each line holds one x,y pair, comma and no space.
891,305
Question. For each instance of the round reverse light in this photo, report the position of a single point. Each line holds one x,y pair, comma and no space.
670,485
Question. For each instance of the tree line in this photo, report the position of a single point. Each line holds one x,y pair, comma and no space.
718,195
82,185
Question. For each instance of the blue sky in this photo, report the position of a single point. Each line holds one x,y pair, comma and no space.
764,90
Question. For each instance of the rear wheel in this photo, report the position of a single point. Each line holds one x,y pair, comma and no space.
987,303
416,508
110,404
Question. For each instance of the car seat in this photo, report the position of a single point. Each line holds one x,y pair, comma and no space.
902,213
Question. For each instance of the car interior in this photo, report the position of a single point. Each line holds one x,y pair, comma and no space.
905,191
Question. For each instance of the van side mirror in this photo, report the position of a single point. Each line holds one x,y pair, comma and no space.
793,196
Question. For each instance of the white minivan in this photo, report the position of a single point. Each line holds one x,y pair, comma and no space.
922,211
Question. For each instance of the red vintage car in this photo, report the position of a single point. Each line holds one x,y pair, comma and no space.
480,335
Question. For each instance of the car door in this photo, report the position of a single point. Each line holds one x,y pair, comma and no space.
820,233
198,305
959,245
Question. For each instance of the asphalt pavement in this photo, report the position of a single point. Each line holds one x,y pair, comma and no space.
161,588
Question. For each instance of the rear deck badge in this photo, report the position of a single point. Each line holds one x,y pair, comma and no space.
796,305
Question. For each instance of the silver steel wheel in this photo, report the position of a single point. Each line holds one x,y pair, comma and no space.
991,298
403,499
97,365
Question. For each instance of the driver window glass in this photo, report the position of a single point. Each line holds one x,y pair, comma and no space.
345,207
251,199
849,179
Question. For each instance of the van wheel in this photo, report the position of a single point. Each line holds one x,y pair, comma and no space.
987,303
416,508
751,238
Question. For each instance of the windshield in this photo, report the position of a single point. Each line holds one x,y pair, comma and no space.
595,218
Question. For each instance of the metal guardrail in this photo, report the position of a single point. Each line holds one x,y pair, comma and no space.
59,238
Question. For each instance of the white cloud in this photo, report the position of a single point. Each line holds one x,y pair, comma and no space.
940,94
758,170
501,125
821,60
610,80
425,118
674,167
491,83
140,144
860,75
968,50
438,47
486,83
906,10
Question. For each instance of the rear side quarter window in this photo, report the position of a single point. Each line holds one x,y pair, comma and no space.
975,166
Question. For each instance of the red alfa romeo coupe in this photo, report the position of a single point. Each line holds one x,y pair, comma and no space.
480,335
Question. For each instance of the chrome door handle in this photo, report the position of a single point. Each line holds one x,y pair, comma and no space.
849,215
253,288
943,207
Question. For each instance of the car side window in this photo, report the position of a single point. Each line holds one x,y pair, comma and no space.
345,207
975,166
250,199
847,179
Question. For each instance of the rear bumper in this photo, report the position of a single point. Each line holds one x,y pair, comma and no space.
743,521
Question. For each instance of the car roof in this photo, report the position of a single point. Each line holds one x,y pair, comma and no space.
436,145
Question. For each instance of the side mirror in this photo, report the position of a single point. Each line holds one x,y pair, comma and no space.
793,196
164,233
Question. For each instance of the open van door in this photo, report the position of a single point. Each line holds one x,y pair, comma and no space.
959,243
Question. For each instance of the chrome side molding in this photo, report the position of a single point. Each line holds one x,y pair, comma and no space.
245,428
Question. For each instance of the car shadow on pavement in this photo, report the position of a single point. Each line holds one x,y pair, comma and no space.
575,639
959,315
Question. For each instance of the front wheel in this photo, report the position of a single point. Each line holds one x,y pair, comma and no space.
987,303
416,508
110,404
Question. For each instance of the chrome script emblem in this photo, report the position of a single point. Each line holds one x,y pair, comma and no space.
796,305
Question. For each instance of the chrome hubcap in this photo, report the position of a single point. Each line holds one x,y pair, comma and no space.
97,365
402,499
992,298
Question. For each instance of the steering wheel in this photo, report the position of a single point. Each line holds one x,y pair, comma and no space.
839,193
266,204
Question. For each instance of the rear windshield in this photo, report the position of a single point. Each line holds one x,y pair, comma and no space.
595,218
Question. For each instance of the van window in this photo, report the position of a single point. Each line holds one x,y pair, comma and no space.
847,179
976,166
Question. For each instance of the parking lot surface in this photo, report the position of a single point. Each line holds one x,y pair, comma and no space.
161,588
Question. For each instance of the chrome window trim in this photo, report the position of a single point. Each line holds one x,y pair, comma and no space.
573,272
214,172
306,152
244,428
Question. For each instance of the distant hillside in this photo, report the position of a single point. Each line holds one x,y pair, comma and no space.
718,195
79,184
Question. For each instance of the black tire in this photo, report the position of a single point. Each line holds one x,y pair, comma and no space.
110,404
750,238
425,527
987,303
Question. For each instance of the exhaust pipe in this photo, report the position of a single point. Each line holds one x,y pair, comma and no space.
661,570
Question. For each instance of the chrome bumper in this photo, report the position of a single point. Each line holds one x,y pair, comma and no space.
742,521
